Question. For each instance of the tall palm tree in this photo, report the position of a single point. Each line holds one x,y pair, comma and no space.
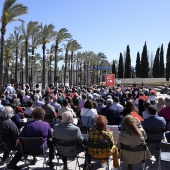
74,47
16,39
67,48
22,52
62,35
50,54
47,34
34,44
31,29
7,59
10,12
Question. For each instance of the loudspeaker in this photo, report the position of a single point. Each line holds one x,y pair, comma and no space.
167,78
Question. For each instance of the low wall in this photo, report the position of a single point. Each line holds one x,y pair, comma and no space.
152,81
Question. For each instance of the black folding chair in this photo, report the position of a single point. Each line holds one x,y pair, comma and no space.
5,149
154,144
134,148
28,151
97,145
63,143
164,153
84,131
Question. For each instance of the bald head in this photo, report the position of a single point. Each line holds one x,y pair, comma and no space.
67,117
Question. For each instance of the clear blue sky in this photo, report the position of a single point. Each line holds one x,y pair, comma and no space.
106,26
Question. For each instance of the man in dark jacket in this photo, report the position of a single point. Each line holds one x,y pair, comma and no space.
111,114
8,130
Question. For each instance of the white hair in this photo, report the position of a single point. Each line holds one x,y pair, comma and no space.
67,116
7,112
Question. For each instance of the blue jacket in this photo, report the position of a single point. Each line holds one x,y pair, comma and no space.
154,122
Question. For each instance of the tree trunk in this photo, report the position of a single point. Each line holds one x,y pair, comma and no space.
32,67
26,62
3,31
55,65
71,77
16,66
43,71
65,68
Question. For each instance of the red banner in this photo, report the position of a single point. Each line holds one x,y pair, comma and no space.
110,80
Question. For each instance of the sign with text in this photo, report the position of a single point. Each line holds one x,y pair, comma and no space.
110,80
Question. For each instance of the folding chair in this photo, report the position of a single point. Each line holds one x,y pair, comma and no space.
84,131
63,143
5,149
134,148
164,153
157,133
28,151
96,145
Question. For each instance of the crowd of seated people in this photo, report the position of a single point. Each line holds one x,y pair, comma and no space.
116,104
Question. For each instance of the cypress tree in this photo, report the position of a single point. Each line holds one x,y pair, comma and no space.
144,69
128,64
120,66
138,65
114,68
161,64
155,69
168,62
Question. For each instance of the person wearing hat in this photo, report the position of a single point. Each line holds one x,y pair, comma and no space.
111,114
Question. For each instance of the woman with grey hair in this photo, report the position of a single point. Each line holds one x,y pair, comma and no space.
8,130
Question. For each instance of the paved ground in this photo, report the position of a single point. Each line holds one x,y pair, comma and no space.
150,164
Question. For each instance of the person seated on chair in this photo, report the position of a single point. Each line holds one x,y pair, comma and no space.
153,122
88,109
133,135
68,131
101,133
28,109
35,128
8,130
112,115
50,114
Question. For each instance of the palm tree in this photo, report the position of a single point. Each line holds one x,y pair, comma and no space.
7,59
50,54
16,39
22,52
62,35
10,12
47,33
74,47
31,29
67,48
